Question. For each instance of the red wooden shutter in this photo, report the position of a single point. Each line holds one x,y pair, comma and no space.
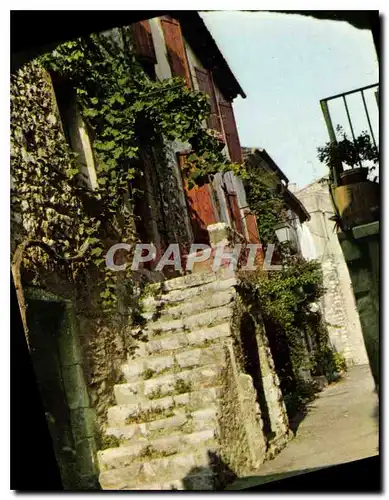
235,212
205,83
252,228
231,131
143,41
200,207
176,49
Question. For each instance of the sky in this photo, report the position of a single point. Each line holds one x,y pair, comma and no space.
285,65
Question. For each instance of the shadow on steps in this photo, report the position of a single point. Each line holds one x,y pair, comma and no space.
216,476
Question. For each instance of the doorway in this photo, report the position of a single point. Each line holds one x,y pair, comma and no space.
44,320
252,367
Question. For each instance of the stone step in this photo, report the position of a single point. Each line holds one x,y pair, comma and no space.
190,280
149,410
149,367
166,385
177,296
207,318
182,421
182,340
195,306
145,450
159,470
202,481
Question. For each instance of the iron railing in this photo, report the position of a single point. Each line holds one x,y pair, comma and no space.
328,120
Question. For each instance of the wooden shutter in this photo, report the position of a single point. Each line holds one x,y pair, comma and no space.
230,131
252,228
205,83
235,212
176,49
143,40
200,207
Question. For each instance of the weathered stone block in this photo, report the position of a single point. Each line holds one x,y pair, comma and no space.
129,393
68,347
188,358
159,364
208,334
219,233
76,393
133,369
188,281
83,422
86,457
168,343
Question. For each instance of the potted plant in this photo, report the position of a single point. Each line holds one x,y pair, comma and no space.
355,198
361,156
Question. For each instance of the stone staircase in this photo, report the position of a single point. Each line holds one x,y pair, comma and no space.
166,418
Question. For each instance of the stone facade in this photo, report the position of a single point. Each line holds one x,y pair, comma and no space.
338,304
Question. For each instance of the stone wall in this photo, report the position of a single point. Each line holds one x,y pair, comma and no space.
254,358
243,445
361,248
338,304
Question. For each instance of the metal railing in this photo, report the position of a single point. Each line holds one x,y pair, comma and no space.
328,120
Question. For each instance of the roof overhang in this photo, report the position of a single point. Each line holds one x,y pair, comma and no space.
296,206
35,32
203,44
260,154
259,158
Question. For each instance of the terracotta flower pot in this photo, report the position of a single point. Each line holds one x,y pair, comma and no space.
353,176
357,203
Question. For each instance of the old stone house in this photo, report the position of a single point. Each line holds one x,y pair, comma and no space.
168,48
191,397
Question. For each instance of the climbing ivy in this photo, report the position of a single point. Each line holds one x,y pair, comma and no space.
125,113
265,202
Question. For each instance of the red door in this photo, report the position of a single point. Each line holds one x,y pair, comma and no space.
200,206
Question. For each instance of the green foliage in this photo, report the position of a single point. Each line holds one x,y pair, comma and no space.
126,114
284,300
182,387
149,373
296,402
265,202
331,362
347,152
109,442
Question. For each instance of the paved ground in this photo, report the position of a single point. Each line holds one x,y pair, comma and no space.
341,426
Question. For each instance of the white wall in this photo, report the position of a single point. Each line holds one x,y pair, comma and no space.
162,68
338,303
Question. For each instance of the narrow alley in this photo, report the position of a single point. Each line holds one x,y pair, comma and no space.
341,426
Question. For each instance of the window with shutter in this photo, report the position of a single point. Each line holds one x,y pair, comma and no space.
143,40
230,131
176,49
205,83
200,206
